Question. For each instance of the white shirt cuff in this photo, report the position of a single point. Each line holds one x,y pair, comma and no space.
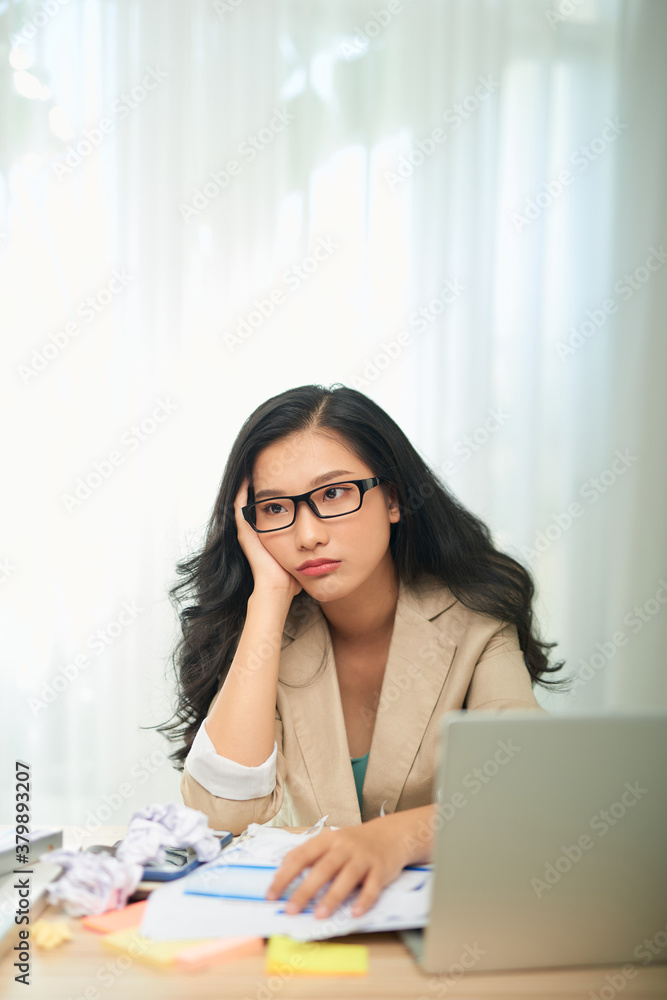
226,778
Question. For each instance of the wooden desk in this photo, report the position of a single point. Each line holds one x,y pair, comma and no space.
83,964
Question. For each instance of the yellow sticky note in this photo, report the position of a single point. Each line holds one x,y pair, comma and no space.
143,949
315,958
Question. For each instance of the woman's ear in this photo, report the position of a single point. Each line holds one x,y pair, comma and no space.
393,506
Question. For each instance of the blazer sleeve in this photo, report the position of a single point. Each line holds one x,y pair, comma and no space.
501,679
236,814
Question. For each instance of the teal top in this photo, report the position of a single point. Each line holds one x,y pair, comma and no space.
359,765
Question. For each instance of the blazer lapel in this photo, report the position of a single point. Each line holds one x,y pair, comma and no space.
308,676
418,662
419,659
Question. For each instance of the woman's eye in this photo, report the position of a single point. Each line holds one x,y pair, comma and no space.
269,508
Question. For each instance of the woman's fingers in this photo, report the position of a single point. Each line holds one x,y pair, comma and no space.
372,887
294,862
330,859
240,501
371,855
345,882
322,872
266,570
241,498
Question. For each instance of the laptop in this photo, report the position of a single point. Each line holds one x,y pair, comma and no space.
551,842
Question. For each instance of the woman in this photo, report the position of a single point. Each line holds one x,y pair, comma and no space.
342,602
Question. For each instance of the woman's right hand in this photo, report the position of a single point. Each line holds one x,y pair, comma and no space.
267,572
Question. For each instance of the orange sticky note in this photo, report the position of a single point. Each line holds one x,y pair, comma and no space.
116,920
200,956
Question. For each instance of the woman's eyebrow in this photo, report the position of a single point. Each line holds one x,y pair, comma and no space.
326,477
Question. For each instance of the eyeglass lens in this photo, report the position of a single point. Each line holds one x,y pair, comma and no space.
330,501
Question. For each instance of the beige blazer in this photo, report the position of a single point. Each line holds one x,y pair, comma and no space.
441,657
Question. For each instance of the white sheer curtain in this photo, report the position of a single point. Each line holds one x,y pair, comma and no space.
426,203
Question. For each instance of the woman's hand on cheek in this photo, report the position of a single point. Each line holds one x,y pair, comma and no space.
267,572
370,855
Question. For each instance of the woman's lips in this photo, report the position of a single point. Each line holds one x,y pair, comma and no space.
320,569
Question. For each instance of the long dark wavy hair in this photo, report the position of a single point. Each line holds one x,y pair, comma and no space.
435,534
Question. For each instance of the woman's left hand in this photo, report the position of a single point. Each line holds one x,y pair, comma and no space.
371,855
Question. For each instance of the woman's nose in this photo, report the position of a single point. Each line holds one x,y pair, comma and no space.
309,528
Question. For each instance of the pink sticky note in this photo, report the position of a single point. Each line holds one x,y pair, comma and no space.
200,956
116,920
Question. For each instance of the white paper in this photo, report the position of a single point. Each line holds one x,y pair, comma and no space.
174,913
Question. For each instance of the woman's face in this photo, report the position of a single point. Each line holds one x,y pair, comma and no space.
358,542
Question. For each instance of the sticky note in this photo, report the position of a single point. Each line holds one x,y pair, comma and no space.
200,956
143,949
315,958
116,920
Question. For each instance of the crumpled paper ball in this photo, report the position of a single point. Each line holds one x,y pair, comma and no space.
95,883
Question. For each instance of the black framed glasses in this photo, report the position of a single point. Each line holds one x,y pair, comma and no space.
333,500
